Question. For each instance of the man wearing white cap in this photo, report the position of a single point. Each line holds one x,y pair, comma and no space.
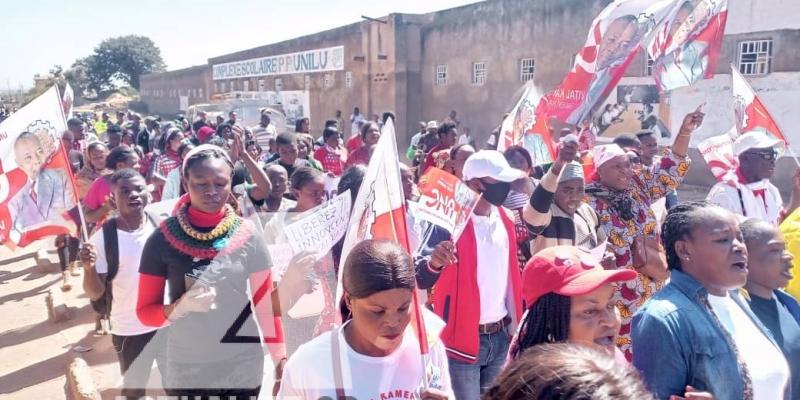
476,280
747,191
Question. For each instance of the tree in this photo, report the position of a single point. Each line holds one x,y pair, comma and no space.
77,77
122,59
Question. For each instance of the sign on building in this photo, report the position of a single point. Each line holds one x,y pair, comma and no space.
317,60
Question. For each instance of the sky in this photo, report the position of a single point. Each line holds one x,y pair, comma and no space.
38,34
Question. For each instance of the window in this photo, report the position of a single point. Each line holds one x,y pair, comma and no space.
479,73
648,67
201,94
328,80
441,75
246,85
526,68
348,79
222,87
307,82
755,57
261,85
278,84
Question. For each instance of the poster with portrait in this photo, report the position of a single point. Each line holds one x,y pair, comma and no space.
613,42
686,47
37,190
636,108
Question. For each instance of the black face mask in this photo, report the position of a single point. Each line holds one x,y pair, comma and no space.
496,193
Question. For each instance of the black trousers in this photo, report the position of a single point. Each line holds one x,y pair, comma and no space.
136,354
68,253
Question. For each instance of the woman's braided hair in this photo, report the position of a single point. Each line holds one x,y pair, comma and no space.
680,222
547,321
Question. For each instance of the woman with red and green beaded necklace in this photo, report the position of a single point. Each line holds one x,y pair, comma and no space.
216,272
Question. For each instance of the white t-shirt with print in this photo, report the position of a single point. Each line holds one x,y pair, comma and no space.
765,362
125,286
309,372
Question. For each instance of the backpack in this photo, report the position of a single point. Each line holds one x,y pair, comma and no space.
111,245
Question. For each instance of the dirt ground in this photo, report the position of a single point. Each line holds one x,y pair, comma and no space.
35,352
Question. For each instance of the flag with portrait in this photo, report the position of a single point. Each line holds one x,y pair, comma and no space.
37,189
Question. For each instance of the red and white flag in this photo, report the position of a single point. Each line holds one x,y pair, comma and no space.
686,47
749,111
379,212
37,189
614,39
522,127
718,153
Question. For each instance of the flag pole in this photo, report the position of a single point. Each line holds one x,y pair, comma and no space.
65,154
414,298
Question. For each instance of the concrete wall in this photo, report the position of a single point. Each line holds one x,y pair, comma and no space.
161,92
761,15
499,33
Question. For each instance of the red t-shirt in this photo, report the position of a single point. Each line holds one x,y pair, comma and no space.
354,143
332,160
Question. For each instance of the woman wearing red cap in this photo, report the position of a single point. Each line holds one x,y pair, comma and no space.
569,298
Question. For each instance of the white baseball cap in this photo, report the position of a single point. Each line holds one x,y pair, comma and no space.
757,140
432,125
490,164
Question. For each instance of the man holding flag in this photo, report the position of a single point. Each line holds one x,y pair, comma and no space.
476,278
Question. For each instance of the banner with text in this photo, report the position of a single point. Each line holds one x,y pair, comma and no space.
317,60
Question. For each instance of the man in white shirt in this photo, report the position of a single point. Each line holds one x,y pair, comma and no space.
476,281
747,190
136,344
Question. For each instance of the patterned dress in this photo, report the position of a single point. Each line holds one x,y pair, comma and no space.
646,187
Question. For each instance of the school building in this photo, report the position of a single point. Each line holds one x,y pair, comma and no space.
474,59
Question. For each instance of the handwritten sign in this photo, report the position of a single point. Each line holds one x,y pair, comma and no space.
322,227
445,201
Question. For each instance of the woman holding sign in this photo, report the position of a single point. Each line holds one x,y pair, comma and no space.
304,268
375,354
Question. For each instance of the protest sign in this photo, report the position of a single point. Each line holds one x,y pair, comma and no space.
331,184
445,201
321,227
37,190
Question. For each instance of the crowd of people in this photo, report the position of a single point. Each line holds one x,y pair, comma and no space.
568,282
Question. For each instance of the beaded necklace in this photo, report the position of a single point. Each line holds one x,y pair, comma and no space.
229,235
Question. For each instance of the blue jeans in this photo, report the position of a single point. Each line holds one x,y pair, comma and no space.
471,380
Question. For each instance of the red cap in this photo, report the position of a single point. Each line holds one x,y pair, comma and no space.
568,271
204,133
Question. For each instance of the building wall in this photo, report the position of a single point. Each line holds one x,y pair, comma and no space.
499,33
161,92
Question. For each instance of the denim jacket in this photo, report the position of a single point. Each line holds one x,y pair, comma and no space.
676,342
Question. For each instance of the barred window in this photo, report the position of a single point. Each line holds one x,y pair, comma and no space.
755,57
441,75
526,69
479,73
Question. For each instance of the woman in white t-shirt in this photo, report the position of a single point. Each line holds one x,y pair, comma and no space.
375,354
137,345
697,334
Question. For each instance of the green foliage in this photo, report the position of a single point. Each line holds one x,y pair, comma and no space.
122,59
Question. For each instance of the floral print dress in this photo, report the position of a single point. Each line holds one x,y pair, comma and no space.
627,214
